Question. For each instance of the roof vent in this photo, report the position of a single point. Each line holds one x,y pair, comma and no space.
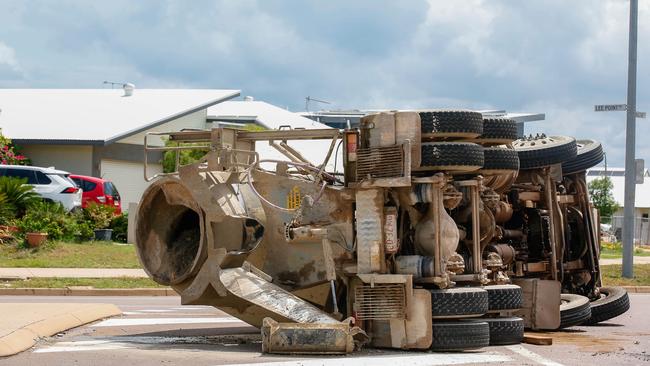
128,89
248,98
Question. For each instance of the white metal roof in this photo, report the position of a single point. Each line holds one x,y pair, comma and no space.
265,114
273,117
642,195
96,115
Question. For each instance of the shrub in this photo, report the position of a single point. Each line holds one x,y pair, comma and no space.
9,154
50,218
81,227
6,219
7,212
18,194
99,216
120,224
610,246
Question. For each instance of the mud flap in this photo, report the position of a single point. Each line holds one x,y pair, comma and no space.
311,338
541,305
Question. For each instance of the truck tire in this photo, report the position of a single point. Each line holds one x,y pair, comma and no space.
614,303
574,310
460,336
451,123
590,153
542,150
500,158
458,302
504,297
503,331
452,156
498,131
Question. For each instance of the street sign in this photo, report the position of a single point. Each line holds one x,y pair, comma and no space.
616,108
610,107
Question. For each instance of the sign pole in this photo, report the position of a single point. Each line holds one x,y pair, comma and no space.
630,144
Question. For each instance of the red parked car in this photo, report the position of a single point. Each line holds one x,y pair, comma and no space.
98,190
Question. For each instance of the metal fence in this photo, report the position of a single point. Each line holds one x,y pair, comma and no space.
641,228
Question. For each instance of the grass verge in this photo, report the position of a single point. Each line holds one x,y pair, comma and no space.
615,250
612,275
91,254
618,253
46,282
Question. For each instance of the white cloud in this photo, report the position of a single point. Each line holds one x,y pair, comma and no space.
606,44
553,56
8,57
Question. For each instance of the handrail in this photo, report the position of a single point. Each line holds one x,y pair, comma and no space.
148,148
206,136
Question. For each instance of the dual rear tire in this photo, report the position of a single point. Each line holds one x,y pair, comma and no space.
614,301
451,131
460,322
574,310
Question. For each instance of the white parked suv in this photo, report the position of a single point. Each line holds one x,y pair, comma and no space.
49,183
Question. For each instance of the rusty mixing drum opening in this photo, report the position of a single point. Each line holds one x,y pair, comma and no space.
169,232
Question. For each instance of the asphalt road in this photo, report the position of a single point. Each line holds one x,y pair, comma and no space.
158,330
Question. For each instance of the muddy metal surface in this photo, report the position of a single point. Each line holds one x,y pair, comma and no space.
159,331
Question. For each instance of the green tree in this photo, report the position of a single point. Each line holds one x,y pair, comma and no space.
600,190
186,156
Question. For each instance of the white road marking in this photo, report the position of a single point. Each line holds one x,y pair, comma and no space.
132,342
78,346
149,311
389,360
189,307
522,351
382,360
156,311
121,322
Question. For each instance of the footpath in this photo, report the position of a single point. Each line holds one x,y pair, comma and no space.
28,322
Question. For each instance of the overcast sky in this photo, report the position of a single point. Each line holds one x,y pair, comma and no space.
553,56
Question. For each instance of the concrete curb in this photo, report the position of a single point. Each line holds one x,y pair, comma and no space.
71,291
25,337
637,289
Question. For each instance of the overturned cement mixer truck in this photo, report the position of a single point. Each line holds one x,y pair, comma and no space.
442,231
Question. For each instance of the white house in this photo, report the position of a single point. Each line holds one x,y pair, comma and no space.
641,201
617,176
100,132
